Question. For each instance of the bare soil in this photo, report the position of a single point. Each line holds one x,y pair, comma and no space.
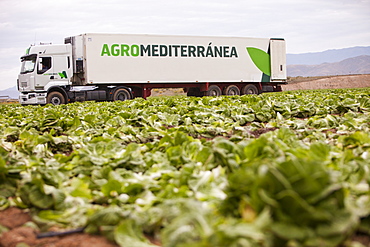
14,219
333,82
167,92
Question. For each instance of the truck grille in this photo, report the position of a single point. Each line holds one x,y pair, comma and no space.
23,84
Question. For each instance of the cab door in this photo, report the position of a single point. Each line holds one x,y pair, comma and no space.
44,73
62,68
278,59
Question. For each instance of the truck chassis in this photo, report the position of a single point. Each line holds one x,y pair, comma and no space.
68,94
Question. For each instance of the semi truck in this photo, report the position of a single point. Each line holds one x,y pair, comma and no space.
110,67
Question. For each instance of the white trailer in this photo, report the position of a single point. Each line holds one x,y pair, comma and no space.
120,66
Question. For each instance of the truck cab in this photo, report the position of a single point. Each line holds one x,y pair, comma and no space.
43,68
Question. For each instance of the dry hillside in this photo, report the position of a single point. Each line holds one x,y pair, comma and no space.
346,81
353,65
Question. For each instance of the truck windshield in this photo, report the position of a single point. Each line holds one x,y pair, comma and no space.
28,63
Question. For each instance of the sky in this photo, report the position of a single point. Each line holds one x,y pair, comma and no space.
306,25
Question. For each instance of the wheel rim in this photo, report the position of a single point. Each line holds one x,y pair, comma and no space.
55,100
232,92
121,96
213,93
250,89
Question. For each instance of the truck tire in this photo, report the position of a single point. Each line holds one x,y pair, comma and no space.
213,90
249,89
231,90
55,98
121,94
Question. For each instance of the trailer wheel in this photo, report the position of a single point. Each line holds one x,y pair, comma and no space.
121,94
250,89
55,98
213,90
231,90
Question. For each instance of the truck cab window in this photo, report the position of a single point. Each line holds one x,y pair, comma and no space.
44,65
28,63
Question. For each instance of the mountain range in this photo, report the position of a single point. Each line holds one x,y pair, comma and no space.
353,65
353,60
329,56
10,92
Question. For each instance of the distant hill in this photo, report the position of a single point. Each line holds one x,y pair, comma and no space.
354,65
329,56
11,92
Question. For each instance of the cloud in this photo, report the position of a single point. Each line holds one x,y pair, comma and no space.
11,75
57,19
307,25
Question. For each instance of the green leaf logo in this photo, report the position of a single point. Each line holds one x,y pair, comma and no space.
63,74
261,59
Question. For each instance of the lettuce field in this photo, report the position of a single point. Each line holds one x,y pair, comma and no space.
279,169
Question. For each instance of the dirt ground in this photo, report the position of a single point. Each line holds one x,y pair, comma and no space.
167,92
20,231
15,220
347,81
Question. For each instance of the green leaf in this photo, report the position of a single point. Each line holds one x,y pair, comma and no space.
57,216
8,186
128,233
109,216
112,188
261,59
290,231
80,189
32,194
4,203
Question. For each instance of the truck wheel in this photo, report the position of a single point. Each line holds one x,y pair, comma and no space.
231,90
213,90
55,98
250,89
121,94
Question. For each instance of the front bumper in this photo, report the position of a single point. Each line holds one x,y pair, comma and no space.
32,98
